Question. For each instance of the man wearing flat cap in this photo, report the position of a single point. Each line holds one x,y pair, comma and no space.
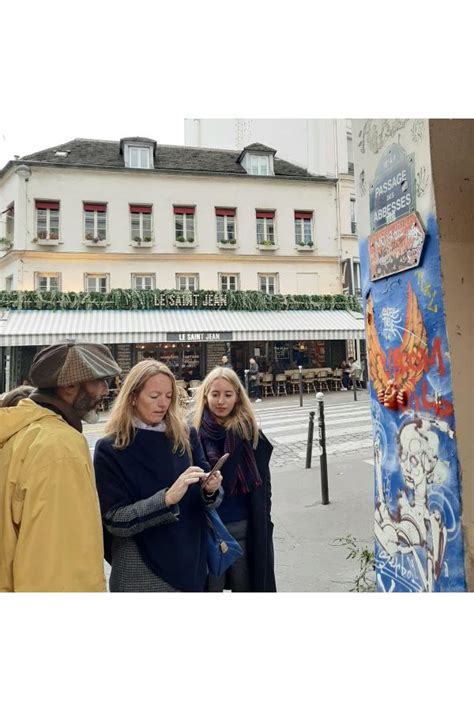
50,526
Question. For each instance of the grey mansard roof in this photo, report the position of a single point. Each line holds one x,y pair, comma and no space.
89,153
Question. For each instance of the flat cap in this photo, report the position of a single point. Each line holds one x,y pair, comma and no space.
71,363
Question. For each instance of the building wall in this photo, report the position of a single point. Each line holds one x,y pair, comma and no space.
452,157
419,536
299,276
317,270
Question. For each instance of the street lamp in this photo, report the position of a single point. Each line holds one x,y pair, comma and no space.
23,171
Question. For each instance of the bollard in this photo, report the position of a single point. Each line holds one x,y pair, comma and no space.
323,456
309,446
354,389
246,373
301,385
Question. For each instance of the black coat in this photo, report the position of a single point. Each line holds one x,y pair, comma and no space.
260,537
260,533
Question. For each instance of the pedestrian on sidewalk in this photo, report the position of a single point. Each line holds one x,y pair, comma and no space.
225,362
254,380
50,525
226,423
149,470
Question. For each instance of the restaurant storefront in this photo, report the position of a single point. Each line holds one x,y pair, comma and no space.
190,341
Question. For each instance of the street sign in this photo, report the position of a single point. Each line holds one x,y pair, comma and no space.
392,193
396,248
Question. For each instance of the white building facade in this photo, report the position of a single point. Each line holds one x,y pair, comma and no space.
97,216
321,146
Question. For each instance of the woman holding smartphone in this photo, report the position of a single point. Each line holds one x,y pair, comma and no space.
226,424
153,489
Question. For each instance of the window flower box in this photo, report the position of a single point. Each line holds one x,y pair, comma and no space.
185,242
92,240
304,246
227,243
267,245
142,241
47,238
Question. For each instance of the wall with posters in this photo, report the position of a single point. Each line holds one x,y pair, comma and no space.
419,537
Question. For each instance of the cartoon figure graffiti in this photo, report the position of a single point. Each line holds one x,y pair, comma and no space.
393,389
414,528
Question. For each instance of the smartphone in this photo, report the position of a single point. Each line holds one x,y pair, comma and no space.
220,462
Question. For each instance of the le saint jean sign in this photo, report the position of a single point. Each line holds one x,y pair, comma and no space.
202,337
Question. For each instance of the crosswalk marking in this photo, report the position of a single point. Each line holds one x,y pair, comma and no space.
348,425
328,421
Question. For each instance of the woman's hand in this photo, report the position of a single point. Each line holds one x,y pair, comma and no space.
176,492
213,482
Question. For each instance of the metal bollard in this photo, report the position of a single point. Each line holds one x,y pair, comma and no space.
354,389
309,445
323,456
246,374
301,385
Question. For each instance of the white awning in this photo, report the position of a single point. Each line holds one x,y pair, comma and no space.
37,328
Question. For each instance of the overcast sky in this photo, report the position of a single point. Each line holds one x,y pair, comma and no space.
107,70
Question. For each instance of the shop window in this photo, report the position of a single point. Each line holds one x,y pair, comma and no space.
96,283
47,281
187,282
228,282
268,283
143,282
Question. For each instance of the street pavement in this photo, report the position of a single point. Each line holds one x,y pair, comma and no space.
307,559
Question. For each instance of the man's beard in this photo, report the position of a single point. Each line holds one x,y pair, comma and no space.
86,406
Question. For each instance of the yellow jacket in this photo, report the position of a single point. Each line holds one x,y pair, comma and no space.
50,526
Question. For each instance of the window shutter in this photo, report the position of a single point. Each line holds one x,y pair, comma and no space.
268,214
141,208
95,207
47,205
303,215
225,212
178,210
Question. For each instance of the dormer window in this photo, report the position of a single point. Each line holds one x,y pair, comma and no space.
138,152
257,159
259,165
139,157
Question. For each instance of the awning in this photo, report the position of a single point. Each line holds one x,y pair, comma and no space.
37,328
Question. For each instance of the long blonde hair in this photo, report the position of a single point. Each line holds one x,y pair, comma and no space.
120,422
241,420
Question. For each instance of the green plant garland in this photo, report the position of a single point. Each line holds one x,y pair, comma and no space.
132,300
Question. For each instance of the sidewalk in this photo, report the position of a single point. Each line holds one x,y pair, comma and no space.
305,559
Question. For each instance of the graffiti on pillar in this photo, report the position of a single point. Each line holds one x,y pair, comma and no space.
376,132
422,181
418,130
419,544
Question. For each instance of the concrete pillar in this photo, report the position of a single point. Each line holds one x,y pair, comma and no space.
415,199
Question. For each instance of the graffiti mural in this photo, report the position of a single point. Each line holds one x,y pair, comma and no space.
419,545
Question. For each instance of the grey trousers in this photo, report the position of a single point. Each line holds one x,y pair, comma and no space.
236,578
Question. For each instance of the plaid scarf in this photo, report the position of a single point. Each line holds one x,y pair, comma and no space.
240,473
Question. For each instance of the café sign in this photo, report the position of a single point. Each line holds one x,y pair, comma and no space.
392,192
397,247
199,336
